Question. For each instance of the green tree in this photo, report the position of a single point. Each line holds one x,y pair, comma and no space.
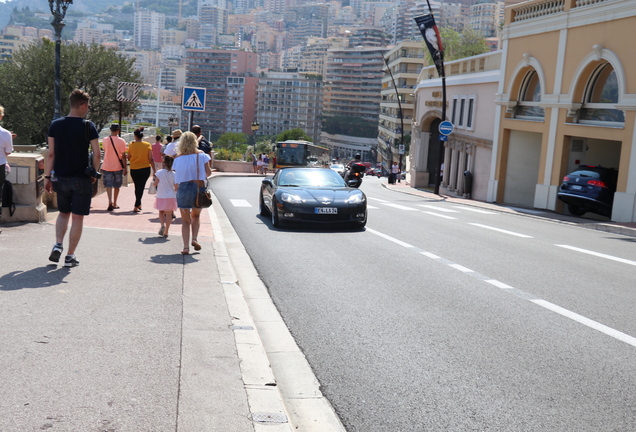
293,134
27,87
232,141
353,126
460,45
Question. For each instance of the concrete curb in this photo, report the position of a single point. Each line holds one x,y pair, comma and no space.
276,373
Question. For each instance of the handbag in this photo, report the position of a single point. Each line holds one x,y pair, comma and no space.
204,197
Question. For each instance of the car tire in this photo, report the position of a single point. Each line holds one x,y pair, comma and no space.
262,208
576,210
274,213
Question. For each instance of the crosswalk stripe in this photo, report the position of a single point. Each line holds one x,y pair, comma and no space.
240,203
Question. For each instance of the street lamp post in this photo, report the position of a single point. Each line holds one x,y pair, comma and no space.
255,126
397,94
58,9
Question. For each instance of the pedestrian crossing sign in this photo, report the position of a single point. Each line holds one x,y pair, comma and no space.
193,99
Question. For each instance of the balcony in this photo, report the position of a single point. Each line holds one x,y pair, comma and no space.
544,8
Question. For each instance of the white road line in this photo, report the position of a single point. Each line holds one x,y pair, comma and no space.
461,268
240,203
432,207
373,207
430,255
389,238
475,210
497,283
539,302
399,206
378,200
586,322
439,215
598,254
501,230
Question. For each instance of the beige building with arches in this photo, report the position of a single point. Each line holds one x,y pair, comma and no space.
567,96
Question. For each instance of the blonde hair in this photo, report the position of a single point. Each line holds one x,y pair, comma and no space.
1,110
187,144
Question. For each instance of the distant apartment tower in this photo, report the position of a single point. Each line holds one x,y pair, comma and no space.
353,82
213,22
149,27
487,17
210,69
305,21
289,100
406,62
403,25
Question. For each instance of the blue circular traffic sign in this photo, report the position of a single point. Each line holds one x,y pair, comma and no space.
445,128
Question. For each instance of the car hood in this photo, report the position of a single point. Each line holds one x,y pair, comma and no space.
323,195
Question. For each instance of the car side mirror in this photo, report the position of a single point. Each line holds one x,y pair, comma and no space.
352,183
267,182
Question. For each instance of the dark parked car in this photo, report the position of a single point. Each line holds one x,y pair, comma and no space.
316,195
589,189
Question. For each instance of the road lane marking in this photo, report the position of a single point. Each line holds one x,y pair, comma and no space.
372,207
475,210
240,203
501,230
594,325
399,206
461,268
437,208
378,199
439,215
389,238
598,254
587,322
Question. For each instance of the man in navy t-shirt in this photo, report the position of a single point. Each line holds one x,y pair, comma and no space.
67,172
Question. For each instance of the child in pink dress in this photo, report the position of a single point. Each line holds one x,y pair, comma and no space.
166,198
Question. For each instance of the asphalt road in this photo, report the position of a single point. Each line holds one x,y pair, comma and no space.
444,317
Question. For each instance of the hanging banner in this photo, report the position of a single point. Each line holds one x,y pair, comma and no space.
430,33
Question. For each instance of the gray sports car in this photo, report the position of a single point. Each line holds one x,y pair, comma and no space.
315,195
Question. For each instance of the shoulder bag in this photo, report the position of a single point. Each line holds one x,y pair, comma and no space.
204,197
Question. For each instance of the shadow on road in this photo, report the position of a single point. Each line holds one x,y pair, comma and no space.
41,277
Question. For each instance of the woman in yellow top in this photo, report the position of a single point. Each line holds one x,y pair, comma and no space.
141,163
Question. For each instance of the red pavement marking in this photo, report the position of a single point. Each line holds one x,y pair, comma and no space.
145,221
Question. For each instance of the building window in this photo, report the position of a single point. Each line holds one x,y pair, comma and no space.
601,97
463,112
530,97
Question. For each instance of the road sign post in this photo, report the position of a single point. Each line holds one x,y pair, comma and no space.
446,128
193,99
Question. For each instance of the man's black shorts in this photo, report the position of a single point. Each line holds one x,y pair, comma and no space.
74,195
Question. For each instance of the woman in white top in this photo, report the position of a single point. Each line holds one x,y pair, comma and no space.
191,171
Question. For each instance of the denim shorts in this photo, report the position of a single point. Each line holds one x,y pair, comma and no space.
113,178
74,195
187,193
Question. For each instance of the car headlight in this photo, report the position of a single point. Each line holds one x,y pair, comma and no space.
355,199
291,198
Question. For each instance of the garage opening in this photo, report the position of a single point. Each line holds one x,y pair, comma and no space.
522,168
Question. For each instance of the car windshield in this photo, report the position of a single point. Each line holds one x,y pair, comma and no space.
310,178
337,166
586,173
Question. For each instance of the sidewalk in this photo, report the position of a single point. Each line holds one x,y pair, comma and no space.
137,338
591,221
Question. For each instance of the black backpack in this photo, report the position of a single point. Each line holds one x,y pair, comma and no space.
7,197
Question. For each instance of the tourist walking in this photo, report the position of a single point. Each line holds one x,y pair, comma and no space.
67,173
141,164
191,172
166,198
114,165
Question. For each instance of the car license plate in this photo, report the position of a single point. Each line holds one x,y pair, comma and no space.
326,210
576,187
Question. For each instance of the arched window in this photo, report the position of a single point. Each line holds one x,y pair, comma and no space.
601,97
529,98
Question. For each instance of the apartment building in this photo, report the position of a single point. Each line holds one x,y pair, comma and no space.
487,18
405,61
149,27
288,100
210,69
353,82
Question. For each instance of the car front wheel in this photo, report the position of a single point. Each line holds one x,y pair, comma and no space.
274,212
262,208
